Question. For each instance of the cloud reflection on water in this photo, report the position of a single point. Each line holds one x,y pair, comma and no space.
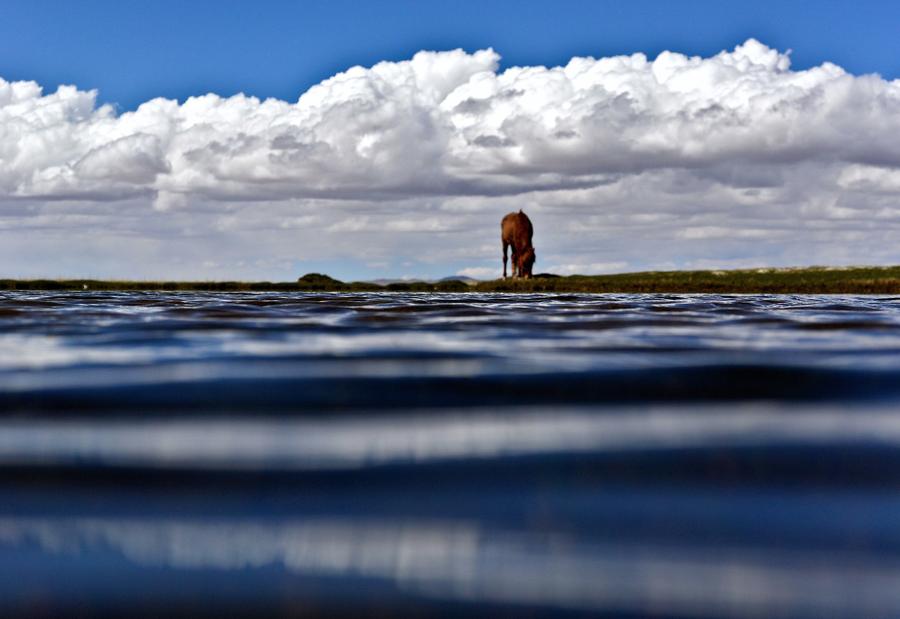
460,561
383,438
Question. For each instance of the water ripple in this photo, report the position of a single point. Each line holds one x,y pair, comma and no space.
449,454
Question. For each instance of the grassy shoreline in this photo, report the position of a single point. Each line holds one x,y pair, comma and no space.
811,280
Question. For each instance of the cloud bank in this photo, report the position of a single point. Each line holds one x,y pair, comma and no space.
406,168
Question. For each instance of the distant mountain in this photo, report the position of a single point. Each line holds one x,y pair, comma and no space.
460,278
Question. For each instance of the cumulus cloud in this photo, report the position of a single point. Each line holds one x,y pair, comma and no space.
625,161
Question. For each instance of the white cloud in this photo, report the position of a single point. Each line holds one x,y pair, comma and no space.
622,161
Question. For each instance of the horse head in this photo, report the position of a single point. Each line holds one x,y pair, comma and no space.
526,262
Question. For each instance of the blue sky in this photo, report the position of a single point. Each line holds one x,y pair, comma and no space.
133,51
701,135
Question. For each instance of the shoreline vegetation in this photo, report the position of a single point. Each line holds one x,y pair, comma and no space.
806,280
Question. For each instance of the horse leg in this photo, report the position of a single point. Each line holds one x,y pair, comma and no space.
505,247
514,262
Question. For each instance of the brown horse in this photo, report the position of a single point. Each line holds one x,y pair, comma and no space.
516,231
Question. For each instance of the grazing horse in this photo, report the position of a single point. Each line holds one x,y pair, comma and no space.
516,231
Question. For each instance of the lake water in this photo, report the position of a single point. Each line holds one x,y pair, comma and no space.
416,454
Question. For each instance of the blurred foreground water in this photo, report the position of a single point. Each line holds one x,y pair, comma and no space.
414,454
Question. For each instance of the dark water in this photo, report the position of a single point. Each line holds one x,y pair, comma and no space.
412,454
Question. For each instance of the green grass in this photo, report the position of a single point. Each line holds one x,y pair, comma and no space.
811,280
312,282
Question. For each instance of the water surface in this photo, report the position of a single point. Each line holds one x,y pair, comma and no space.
624,455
